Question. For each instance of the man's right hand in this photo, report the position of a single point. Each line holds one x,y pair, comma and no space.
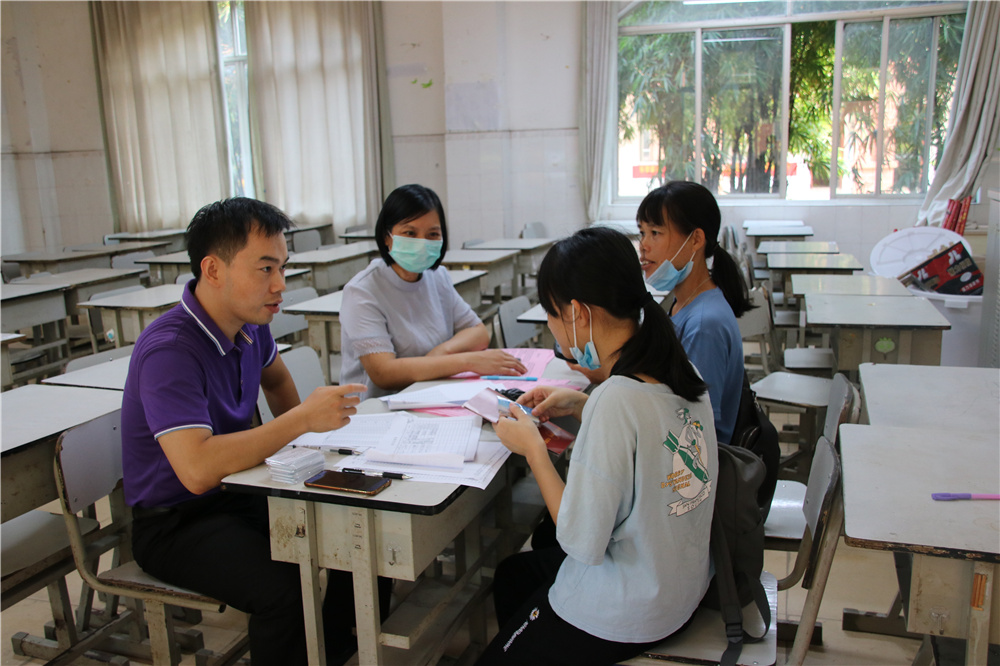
331,407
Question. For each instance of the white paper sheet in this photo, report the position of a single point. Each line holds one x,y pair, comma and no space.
443,395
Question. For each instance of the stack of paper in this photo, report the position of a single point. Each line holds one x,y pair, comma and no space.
443,395
294,465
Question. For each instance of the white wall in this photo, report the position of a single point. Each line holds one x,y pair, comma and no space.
483,99
55,184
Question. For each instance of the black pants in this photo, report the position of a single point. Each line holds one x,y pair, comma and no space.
530,631
219,546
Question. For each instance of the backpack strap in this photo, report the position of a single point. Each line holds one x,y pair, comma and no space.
729,602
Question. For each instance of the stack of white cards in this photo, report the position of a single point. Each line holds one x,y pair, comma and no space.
295,465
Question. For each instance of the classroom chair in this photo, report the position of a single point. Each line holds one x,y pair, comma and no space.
183,278
10,270
36,555
823,512
307,373
286,325
534,230
508,330
88,467
94,327
303,241
704,640
100,357
471,243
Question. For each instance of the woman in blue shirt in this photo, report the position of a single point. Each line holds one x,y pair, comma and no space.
679,233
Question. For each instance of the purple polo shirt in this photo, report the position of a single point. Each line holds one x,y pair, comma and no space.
185,373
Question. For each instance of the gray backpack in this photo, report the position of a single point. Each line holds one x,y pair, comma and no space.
738,546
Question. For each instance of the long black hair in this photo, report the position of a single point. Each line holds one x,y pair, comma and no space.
405,203
599,266
691,206
223,227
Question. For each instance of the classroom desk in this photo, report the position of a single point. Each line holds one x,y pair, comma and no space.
761,233
83,284
772,223
54,261
356,236
798,247
955,545
42,308
786,265
500,267
296,278
858,285
532,251
135,310
333,267
109,375
323,314
174,238
397,533
165,268
325,229
6,339
884,329
33,418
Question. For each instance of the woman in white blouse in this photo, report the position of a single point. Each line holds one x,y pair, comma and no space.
401,319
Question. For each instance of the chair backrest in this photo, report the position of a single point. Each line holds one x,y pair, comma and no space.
129,259
757,321
843,404
471,243
513,332
821,491
98,358
286,324
356,228
88,461
307,373
22,278
10,270
304,241
184,278
534,230
294,296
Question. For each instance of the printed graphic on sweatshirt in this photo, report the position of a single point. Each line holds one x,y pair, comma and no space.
690,478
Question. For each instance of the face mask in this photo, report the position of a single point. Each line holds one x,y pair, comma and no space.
415,254
587,359
666,277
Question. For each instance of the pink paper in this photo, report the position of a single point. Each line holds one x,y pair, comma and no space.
535,360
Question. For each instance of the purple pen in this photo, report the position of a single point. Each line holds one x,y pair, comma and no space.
963,496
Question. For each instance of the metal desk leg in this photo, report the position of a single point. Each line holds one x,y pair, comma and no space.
318,340
365,568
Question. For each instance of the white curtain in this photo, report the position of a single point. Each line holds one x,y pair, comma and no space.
597,108
162,109
974,128
313,104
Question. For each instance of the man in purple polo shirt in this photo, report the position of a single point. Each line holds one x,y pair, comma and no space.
189,399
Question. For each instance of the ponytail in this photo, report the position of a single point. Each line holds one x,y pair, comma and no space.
727,277
599,266
656,351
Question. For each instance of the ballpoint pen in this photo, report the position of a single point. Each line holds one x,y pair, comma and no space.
326,449
383,475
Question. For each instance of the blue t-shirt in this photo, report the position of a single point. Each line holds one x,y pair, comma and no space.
711,337
185,373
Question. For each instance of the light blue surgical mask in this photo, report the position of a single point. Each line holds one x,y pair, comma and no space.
587,358
415,254
666,277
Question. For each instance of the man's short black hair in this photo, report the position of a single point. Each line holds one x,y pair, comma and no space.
222,228
405,203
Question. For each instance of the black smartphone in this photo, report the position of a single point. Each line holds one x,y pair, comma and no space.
349,483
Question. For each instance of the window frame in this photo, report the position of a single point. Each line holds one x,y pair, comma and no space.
785,22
